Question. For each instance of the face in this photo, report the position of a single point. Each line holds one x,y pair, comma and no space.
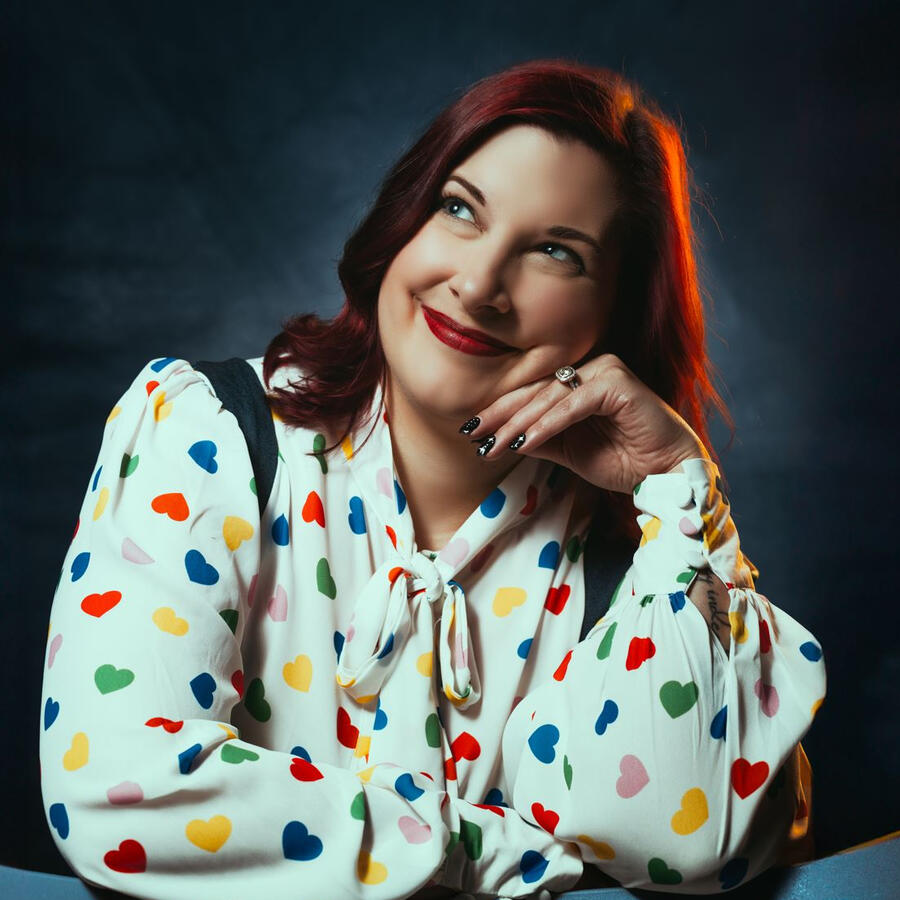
488,259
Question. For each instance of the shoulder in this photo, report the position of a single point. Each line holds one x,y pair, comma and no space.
170,404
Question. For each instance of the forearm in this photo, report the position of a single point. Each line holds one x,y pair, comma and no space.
710,596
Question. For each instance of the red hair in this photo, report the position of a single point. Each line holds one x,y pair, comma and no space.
657,322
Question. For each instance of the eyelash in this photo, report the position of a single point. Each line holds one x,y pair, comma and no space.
575,257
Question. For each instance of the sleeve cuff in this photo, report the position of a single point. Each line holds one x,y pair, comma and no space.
686,524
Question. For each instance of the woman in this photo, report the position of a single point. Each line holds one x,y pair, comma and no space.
376,688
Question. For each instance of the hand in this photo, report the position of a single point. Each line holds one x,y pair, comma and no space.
611,430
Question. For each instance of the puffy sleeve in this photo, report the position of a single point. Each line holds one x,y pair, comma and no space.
671,762
148,787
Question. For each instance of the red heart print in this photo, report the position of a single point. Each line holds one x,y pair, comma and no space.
765,639
639,651
168,724
347,732
494,809
172,505
151,386
100,604
557,599
560,673
237,682
746,778
304,771
130,857
546,818
450,769
313,511
465,746
531,496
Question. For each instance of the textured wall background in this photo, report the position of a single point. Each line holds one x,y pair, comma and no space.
177,178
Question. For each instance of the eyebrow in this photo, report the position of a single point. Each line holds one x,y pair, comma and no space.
560,231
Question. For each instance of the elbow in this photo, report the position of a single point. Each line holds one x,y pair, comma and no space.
76,807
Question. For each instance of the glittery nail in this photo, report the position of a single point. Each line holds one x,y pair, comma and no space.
517,442
486,444
470,426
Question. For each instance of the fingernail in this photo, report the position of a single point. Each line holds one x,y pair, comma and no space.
517,442
470,426
486,444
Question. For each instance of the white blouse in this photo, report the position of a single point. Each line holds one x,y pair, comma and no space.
308,705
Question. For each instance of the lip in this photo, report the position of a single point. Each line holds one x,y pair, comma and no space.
467,340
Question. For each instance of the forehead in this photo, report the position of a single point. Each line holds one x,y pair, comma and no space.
528,171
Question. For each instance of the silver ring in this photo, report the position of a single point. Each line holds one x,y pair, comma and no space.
568,375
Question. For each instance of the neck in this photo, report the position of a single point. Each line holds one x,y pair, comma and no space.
442,476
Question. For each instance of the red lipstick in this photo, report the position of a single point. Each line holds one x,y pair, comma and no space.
467,340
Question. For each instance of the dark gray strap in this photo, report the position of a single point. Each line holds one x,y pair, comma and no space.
605,563
240,392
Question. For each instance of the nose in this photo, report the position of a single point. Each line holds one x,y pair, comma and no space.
479,282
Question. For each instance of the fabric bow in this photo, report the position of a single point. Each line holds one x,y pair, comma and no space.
397,603
382,621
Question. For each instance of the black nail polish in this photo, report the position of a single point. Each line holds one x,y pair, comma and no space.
486,445
517,442
470,426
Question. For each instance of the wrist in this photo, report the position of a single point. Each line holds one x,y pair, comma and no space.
695,451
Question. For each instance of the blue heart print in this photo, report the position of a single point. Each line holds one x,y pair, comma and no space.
204,454
720,719
51,711
406,787
543,742
608,715
493,504
203,687
297,843
79,565
281,531
198,569
186,757
549,557
357,517
59,819
532,865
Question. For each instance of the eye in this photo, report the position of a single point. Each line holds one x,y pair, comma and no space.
573,256
452,200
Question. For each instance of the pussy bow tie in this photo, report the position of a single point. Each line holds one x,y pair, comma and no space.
389,605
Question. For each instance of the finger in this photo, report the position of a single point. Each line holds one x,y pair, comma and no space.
523,420
501,410
602,395
554,421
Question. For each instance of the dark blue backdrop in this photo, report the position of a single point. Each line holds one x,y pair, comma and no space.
177,178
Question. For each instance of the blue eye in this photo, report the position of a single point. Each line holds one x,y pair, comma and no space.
573,256
448,200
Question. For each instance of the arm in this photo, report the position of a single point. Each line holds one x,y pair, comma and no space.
670,748
148,787
710,596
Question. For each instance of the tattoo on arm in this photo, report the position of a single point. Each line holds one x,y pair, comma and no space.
711,597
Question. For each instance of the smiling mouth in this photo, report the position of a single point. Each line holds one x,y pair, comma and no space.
477,344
